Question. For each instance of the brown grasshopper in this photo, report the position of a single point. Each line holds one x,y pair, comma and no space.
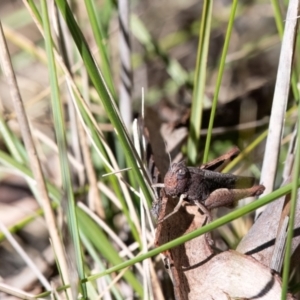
208,188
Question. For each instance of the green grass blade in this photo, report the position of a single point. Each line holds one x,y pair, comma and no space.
100,148
246,151
100,265
211,226
290,233
253,145
199,83
97,143
23,170
219,80
293,208
90,229
32,5
100,41
13,144
102,244
106,98
62,147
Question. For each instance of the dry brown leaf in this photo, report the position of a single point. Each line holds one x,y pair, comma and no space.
199,272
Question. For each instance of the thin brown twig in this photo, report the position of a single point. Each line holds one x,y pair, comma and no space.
33,157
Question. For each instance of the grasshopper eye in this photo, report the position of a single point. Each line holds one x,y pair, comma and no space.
181,173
